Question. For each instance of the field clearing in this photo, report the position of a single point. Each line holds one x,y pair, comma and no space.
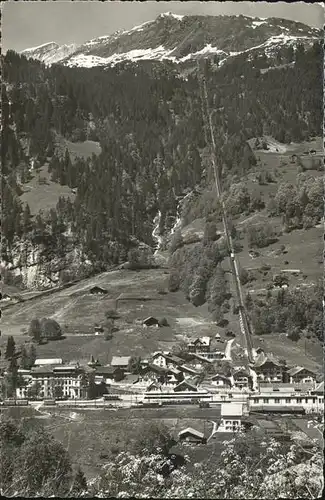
76,149
77,312
45,196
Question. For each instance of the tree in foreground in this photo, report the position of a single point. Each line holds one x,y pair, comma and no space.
249,466
32,462
11,348
35,330
153,438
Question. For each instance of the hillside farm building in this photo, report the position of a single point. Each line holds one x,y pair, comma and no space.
97,290
150,321
190,435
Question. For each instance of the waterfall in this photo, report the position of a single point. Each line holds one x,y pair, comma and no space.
179,209
156,233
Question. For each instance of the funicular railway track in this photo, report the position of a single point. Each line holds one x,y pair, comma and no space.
245,327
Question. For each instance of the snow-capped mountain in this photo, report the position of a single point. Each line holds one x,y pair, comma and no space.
50,53
180,39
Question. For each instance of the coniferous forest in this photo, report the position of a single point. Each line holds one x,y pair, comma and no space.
149,123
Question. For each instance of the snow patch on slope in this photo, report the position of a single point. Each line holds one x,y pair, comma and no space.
208,49
256,24
159,53
170,14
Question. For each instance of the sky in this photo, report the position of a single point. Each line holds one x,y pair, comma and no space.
29,24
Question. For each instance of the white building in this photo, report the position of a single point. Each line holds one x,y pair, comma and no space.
307,398
231,417
68,377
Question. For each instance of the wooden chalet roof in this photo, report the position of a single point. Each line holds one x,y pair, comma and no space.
191,431
297,369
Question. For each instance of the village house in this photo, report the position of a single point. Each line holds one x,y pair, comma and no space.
242,379
231,417
184,386
221,381
154,373
121,362
200,345
166,360
150,321
106,374
268,369
300,374
213,356
191,436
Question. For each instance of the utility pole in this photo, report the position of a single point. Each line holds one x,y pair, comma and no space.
244,325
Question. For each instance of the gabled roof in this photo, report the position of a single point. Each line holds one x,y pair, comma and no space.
297,369
48,361
120,360
130,379
190,430
188,369
263,358
320,387
185,383
104,370
201,340
155,368
42,370
201,358
150,318
98,289
174,359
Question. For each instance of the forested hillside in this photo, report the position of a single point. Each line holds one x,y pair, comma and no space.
148,120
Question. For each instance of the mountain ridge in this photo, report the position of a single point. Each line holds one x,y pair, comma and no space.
179,39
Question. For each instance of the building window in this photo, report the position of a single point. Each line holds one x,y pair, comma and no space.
306,400
288,401
276,400
314,400
299,400
265,400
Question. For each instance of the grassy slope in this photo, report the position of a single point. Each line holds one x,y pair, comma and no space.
77,312
87,434
45,196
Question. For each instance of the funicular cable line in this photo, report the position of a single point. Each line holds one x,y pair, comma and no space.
245,327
